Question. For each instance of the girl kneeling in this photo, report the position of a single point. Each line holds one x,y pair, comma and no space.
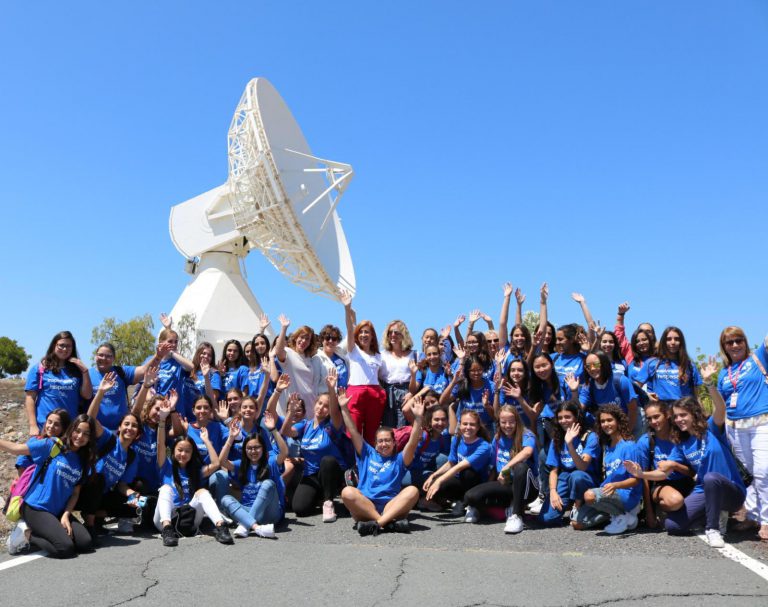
516,467
379,502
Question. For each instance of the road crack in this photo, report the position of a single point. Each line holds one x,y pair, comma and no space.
642,597
152,581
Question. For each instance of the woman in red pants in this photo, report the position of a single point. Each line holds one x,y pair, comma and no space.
367,397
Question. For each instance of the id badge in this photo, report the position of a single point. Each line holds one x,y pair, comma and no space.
734,399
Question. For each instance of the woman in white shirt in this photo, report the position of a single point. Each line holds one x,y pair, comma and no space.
367,397
395,373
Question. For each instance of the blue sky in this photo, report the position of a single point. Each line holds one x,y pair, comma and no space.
619,149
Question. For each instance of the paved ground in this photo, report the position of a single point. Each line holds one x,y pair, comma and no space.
441,562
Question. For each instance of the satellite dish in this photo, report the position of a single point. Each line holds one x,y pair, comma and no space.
279,199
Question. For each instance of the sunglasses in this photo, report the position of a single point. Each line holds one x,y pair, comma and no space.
330,338
734,342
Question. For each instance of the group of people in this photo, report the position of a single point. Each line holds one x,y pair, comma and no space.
573,424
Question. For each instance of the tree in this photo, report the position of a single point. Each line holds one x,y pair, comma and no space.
134,340
188,336
13,358
531,321
704,398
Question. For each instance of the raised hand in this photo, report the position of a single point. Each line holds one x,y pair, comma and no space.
204,434
166,320
205,370
459,320
519,296
572,382
173,399
79,364
165,409
459,352
633,468
499,357
332,378
263,322
222,411
417,407
283,382
445,333
164,348
284,321
413,366
222,367
544,291
512,390
234,430
623,308
475,315
345,297
577,297
485,317
150,375
507,288
269,421
343,398
108,382
709,369
572,432
538,337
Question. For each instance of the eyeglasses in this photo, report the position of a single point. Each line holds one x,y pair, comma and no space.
393,332
493,341
330,338
253,448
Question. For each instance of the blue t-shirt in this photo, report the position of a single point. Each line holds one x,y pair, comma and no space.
380,478
255,379
615,472
114,404
193,388
317,442
169,375
569,363
513,402
664,381
662,449
551,401
477,453
113,465
342,372
60,390
751,386
167,475
146,457
563,460
617,390
252,486
234,378
638,374
474,402
436,381
55,488
427,451
217,434
708,454
501,449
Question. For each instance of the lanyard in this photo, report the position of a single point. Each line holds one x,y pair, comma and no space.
736,380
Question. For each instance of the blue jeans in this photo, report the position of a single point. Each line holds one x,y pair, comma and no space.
571,486
264,510
218,485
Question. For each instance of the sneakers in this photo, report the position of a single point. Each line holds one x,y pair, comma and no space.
329,513
632,521
240,531
472,515
619,524
514,524
535,506
222,534
458,509
574,513
723,522
368,528
168,536
19,538
266,531
125,526
714,538
401,526
429,505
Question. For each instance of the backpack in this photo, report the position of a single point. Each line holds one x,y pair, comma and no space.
184,521
20,486
401,439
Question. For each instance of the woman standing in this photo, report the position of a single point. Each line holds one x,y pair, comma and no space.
234,366
330,339
672,375
395,372
296,355
743,384
367,397
61,380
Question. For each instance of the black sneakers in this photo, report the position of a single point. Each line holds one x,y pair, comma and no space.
222,534
368,528
400,526
168,536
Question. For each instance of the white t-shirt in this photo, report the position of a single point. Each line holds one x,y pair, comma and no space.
394,369
363,368
304,373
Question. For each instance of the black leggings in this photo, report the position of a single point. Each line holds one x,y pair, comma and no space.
522,490
326,482
49,535
455,487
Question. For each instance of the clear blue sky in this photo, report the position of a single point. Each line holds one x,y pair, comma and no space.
619,149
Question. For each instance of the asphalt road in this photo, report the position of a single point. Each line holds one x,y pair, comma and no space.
442,562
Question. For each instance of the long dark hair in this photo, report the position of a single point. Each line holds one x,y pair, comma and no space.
196,358
699,425
87,453
240,361
574,407
52,363
482,355
637,357
606,368
537,385
194,468
262,467
685,367
615,353
622,422
526,335
465,387
255,352
571,332
526,381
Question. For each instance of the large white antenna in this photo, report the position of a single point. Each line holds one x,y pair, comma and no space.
280,199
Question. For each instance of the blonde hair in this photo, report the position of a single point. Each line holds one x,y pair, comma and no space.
398,325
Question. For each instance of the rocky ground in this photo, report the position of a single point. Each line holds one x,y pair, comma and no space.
13,427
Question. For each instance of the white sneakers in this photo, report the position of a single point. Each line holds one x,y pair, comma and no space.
267,531
472,515
240,531
621,523
514,524
329,512
535,506
19,538
714,538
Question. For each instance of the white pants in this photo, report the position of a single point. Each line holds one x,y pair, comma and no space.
202,502
751,446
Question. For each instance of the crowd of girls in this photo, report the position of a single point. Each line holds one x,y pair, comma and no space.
575,425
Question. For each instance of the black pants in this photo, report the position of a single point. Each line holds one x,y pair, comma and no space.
49,535
522,490
455,487
93,499
325,483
